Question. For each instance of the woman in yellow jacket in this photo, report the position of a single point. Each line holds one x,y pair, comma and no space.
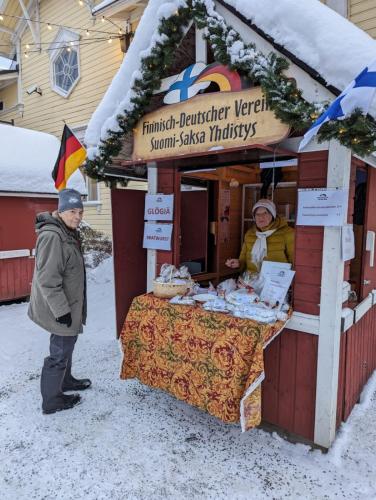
270,238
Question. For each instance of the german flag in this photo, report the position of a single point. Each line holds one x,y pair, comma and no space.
71,155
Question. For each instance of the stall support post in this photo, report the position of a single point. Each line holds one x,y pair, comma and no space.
151,254
339,166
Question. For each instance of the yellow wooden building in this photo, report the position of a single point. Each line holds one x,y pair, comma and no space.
65,58
66,53
360,12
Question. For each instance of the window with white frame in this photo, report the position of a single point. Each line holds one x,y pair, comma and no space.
92,189
65,62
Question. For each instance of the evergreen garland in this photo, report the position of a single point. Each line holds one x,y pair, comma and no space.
357,131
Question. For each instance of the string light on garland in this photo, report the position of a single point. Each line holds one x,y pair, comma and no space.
1,17
49,26
281,94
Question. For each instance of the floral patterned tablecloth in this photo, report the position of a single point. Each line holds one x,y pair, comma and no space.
210,360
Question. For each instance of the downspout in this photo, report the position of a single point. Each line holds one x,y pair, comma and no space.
20,104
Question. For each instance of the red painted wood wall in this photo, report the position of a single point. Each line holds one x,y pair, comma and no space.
130,259
312,172
357,362
17,232
358,344
289,388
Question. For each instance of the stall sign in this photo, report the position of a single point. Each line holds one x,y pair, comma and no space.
159,207
157,236
271,268
276,287
348,242
322,207
220,120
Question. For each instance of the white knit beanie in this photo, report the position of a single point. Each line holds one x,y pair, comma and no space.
268,204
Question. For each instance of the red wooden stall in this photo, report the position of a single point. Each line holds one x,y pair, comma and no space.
316,368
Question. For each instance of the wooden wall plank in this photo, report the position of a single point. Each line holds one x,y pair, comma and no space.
306,368
341,380
270,386
287,381
359,359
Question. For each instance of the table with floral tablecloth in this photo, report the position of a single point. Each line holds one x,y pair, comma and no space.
211,360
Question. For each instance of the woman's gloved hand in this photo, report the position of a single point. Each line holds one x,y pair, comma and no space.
66,319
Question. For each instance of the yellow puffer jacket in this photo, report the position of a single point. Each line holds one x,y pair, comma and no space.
280,245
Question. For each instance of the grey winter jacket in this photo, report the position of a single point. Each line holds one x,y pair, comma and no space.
59,281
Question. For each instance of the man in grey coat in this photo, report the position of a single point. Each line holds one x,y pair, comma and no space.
58,298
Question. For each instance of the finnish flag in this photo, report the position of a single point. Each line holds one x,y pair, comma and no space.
359,94
184,87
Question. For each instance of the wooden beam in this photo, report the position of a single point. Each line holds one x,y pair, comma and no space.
339,164
34,32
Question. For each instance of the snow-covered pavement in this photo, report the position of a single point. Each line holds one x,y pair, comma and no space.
126,441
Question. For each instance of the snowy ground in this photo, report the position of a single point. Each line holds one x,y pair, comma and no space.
126,441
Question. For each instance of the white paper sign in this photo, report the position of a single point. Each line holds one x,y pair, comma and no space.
159,207
348,242
322,207
271,268
276,287
157,236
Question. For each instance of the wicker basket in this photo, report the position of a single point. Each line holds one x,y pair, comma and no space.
169,290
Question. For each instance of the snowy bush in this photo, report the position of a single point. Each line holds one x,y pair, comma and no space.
96,246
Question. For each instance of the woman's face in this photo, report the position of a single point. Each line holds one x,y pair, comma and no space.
262,217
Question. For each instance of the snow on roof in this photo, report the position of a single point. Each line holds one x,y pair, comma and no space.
314,33
115,99
27,158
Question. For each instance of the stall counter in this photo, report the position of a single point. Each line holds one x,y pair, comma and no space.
210,360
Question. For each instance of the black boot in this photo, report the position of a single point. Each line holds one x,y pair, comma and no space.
74,384
63,402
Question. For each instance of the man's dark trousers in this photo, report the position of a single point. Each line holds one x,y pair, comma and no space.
56,369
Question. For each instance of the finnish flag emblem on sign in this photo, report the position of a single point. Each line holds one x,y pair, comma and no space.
184,87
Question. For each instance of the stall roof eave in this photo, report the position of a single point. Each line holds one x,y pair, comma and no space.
207,159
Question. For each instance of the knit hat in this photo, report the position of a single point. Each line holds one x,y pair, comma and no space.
268,204
68,199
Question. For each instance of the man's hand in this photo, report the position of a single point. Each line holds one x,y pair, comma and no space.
66,319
